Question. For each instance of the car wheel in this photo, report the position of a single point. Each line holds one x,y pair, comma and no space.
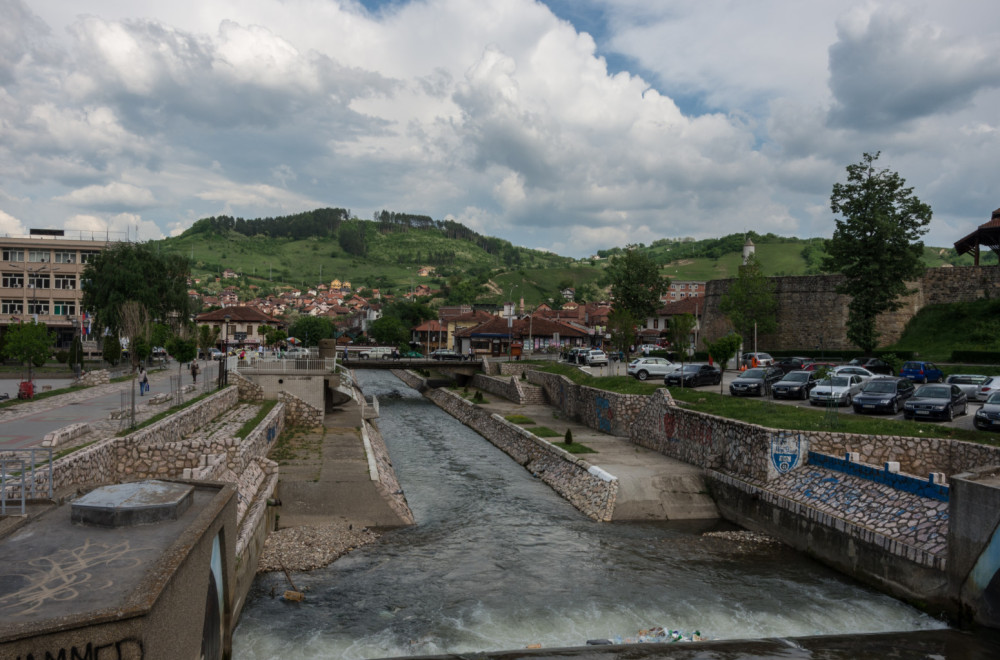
642,375
850,400
894,408
949,413
804,395
924,380
718,381
965,408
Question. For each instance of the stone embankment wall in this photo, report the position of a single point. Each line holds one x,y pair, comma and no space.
299,412
609,412
510,388
812,315
588,488
387,484
95,377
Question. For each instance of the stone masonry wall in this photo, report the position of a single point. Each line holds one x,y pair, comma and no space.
812,315
299,412
249,390
608,412
387,482
589,489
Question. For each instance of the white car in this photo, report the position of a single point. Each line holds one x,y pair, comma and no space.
297,353
836,390
988,387
643,368
848,370
649,348
968,383
763,359
595,357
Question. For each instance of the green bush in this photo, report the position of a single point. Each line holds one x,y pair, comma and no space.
62,356
976,357
569,437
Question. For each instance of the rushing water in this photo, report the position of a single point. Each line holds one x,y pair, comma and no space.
497,560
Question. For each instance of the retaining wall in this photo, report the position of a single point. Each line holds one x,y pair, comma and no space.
588,488
608,412
510,388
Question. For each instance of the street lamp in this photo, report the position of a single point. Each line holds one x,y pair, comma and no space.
510,321
226,318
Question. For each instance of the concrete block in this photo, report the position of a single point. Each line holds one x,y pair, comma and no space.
892,466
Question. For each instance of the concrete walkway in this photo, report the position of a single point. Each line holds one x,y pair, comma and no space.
651,486
327,478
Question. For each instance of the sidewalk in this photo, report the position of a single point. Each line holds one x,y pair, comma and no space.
25,425
651,486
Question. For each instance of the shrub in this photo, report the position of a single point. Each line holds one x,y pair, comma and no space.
569,437
62,356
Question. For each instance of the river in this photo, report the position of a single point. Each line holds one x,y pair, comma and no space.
497,560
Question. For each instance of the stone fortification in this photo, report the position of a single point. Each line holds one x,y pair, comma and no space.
588,488
813,316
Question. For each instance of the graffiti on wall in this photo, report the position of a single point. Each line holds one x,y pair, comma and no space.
123,649
786,451
605,415
66,573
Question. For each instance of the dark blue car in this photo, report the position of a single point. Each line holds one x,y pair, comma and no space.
921,372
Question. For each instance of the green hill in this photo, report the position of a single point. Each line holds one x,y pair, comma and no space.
318,246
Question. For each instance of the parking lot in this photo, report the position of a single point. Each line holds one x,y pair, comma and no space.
618,369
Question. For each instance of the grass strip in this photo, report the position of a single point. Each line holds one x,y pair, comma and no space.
252,423
160,415
545,432
520,420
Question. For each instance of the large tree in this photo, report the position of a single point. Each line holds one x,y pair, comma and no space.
876,244
636,284
750,303
135,271
310,329
28,343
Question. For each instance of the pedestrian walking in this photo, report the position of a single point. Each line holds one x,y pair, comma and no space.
143,381
194,371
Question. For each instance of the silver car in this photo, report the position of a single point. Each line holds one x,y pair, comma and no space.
968,383
595,357
836,391
988,387
643,368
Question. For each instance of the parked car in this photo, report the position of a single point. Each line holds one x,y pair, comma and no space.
936,402
445,354
763,359
412,354
755,382
297,353
848,370
643,368
215,354
159,352
819,366
921,372
795,385
968,383
595,357
793,363
576,353
884,394
835,390
872,364
694,375
989,386
987,418
646,349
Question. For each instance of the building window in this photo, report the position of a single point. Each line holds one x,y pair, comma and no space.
11,254
38,307
11,307
13,280
656,324
65,256
86,256
65,281
64,308
38,281
39,256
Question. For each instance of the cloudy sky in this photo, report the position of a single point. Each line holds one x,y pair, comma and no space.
568,125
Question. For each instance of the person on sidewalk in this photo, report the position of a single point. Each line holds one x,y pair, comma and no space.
194,371
143,381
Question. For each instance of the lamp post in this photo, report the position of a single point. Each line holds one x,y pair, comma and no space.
226,318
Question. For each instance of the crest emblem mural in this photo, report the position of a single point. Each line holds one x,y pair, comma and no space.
786,451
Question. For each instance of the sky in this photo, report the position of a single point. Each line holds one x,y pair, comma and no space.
567,125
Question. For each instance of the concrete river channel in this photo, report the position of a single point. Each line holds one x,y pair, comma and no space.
498,561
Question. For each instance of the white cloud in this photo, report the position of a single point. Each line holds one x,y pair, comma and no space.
11,226
736,116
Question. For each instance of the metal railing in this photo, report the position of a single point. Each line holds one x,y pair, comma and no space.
21,470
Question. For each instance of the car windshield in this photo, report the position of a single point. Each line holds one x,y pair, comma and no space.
916,366
934,392
994,398
692,368
835,382
797,377
753,373
966,380
881,386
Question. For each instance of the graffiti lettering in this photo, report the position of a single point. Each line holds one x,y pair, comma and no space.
123,649
272,432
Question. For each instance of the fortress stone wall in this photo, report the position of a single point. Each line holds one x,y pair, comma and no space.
813,316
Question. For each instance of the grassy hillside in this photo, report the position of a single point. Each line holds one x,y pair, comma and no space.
937,330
